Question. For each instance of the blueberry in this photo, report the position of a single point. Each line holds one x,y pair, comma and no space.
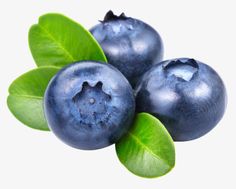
188,96
130,45
89,105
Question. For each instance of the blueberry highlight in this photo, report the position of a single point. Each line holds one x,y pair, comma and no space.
188,96
89,105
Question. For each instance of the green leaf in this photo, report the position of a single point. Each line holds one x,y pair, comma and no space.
57,40
26,93
148,149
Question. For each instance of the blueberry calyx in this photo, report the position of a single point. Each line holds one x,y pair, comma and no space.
92,103
110,16
86,86
182,69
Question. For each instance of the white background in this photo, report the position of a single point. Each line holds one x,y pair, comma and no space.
202,29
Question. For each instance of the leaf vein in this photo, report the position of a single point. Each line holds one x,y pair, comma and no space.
69,55
147,148
28,96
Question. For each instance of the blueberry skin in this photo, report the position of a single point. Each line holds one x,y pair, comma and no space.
89,105
129,44
188,96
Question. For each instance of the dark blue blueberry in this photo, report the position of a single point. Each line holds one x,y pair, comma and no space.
188,96
130,45
89,105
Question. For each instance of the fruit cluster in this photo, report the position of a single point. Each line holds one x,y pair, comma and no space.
90,104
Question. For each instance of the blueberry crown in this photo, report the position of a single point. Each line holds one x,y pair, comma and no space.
110,16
